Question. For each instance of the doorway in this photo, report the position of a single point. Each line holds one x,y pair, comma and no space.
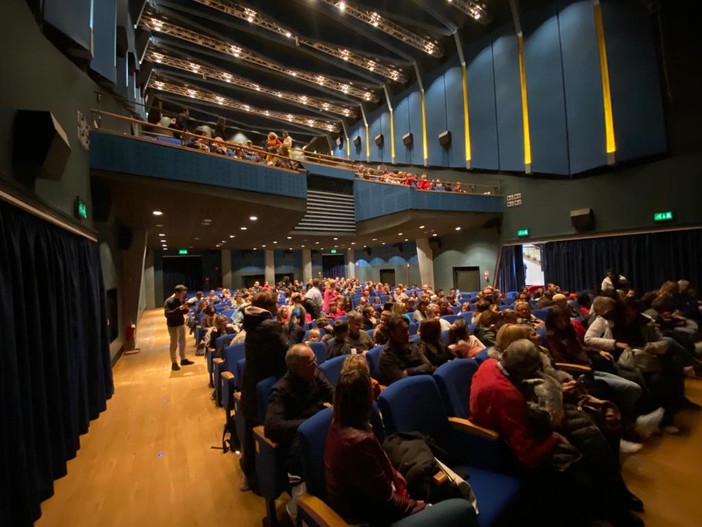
186,270
466,279
248,281
533,270
387,276
333,265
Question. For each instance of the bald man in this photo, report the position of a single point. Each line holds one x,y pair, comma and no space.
300,394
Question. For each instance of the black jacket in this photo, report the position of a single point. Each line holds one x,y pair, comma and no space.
174,315
265,347
293,400
395,359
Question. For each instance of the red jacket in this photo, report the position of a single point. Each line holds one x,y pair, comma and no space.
362,485
496,403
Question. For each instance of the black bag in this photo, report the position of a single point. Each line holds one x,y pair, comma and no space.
311,308
231,443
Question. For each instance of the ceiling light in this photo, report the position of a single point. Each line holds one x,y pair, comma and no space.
275,241
254,248
159,225
341,6
162,235
232,236
434,234
289,237
303,246
353,243
158,213
253,218
406,240
264,246
399,234
374,240
196,238
316,243
243,228
458,228
336,239
421,226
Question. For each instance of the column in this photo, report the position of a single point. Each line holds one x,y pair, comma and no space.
425,257
226,268
269,267
351,264
306,265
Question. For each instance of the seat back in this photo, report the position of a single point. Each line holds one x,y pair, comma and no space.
239,369
445,337
373,360
413,404
414,339
454,380
263,392
450,318
320,350
232,355
541,313
332,369
221,342
413,328
313,438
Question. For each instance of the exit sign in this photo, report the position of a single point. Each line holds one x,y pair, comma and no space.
663,216
182,251
80,209
333,251
522,233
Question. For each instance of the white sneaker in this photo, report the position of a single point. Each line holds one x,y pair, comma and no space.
672,430
629,447
646,425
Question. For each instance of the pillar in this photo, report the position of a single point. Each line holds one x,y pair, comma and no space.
226,268
351,264
306,265
269,267
425,258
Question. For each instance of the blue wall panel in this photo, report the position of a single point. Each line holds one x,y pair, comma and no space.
72,18
385,130
453,80
402,153
358,153
545,93
508,98
583,87
435,103
639,125
105,32
415,122
481,106
376,128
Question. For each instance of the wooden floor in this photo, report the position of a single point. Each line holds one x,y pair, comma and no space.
147,460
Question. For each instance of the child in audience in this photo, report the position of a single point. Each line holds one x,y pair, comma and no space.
314,336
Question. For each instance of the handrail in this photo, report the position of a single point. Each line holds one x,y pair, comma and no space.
466,188
257,151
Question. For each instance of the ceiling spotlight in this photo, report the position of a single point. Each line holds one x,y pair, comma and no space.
159,225
374,239
162,235
253,218
289,237
336,239
275,242
406,240
243,228
232,236
353,243
264,245
158,213
421,226
316,243
434,234
458,228
399,234
196,237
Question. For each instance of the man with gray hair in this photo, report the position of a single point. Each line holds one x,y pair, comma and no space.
434,312
357,338
298,395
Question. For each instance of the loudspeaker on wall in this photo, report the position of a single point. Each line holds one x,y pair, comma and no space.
582,219
357,141
408,139
41,147
445,138
379,140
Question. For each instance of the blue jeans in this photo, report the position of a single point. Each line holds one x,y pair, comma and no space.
626,392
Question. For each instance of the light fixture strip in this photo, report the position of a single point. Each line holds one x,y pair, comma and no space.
204,95
610,137
476,10
151,22
211,73
242,12
372,18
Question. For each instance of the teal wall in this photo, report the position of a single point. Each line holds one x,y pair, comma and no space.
388,257
475,248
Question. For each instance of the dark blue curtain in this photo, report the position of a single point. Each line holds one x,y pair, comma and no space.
55,370
647,260
511,272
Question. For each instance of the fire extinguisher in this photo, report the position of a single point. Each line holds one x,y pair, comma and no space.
130,339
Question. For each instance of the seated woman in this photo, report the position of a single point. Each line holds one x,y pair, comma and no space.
523,309
488,325
362,485
430,344
461,343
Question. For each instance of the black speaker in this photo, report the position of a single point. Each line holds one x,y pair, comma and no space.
122,41
141,42
124,237
445,138
397,246
135,8
144,74
339,142
102,200
379,140
408,139
582,219
435,243
41,147
357,141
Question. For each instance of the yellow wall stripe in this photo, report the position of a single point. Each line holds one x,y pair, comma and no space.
606,93
466,121
367,144
348,147
424,129
525,106
392,135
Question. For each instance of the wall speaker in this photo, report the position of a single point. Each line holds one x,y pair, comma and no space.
367,250
144,74
379,140
408,139
339,142
41,147
141,42
582,219
397,246
357,141
135,8
445,138
124,237
435,243
122,42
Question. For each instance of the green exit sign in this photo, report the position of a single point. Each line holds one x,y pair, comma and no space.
182,251
333,251
522,233
80,209
663,216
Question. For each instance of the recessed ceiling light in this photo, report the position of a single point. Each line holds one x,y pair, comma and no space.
421,226
374,240
196,238
254,248
353,243
275,242
303,246
290,249
158,213
159,225
458,228
161,234
336,239
383,243
289,237
232,236
406,240
399,234
224,241
243,228
263,246
207,220
253,218
434,234
316,243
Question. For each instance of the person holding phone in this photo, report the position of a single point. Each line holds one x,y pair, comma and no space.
175,309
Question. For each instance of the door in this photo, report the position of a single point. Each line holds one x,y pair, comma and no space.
185,270
387,276
466,279
333,265
248,281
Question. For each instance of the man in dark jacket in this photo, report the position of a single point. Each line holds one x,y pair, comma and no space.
399,358
300,394
265,348
174,309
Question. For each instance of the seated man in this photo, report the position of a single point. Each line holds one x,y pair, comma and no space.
340,345
335,311
399,358
300,394
434,313
358,338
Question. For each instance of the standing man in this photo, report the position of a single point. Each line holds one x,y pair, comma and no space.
174,310
315,295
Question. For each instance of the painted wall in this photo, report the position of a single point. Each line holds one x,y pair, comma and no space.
290,264
388,257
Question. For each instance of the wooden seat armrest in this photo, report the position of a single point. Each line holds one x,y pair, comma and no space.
260,435
237,396
217,360
327,405
227,375
573,367
319,512
440,479
466,426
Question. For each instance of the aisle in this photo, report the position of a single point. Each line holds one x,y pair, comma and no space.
147,460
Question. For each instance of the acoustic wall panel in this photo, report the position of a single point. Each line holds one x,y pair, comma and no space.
545,92
386,150
453,83
639,125
104,38
508,99
73,18
375,122
583,87
401,110
415,126
481,106
435,101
